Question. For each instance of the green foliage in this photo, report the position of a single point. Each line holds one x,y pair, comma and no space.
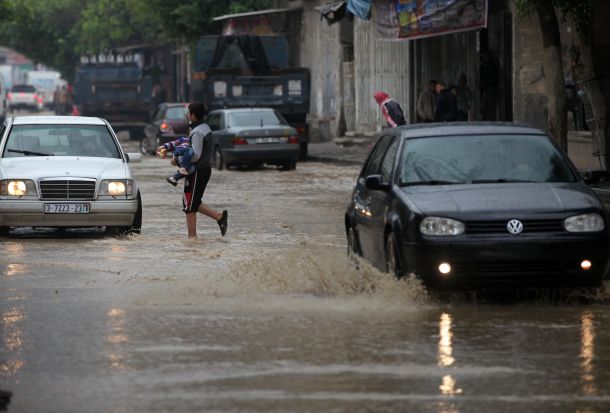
57,32
580,11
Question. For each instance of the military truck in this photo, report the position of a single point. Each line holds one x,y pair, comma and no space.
115,89
252,71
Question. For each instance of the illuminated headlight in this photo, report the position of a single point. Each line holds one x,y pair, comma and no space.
116,188
437,226
584,223
18,187
278,90
238,90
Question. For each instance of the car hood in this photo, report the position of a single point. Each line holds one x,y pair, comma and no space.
502,199
82,167
254,131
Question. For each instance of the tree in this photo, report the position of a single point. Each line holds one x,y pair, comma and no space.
579,11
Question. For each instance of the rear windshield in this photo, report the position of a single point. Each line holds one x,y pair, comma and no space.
24,88
255,118
176,113
483,159
61,140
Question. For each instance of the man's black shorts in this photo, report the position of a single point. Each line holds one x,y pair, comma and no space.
194,187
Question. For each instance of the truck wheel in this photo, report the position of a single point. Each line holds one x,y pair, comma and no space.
219,162
304,150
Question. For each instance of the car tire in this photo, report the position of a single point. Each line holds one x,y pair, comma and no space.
352,243
219,162
134,228
4,231
392,258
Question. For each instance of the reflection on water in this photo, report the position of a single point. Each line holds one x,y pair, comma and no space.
12,340
448,385
13,270
117,252
116,337
587,353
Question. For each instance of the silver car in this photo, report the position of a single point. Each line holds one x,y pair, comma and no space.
66,172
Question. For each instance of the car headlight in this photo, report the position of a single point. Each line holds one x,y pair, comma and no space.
18,187
584,223
437,226
117,187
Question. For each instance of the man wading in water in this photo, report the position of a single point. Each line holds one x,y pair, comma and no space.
196,182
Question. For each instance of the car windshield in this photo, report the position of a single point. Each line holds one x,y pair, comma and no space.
23,89
60,140
255,118
177,113
482,159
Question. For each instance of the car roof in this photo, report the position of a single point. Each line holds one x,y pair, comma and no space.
57,120
237,110
422,130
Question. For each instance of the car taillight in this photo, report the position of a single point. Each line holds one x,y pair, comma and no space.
301,129
293,139
9,96
167,128
238,140
39,99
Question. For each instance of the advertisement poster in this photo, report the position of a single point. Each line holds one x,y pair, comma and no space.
415,19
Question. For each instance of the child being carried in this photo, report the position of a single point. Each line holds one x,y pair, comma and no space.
183,152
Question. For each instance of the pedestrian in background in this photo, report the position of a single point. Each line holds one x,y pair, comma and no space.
391,110
196,182
425,103
464,98
446,104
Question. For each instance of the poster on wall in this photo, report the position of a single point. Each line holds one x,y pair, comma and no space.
415,19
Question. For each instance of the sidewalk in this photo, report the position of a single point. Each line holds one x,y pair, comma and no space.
340,151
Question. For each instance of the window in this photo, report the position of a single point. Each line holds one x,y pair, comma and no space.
388,160
484,159
213,121
372,166
61,140
176,113
255,118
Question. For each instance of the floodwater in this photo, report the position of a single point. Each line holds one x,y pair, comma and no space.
274,317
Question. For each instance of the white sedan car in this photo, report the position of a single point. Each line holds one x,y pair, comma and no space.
66,172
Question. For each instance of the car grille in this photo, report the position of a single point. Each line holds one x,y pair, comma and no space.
67,189
499,227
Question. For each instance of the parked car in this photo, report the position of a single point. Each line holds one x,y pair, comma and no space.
477,206
253,136
3,99
63,172
25,97
168,122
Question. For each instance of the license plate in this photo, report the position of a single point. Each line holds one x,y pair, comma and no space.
66,208
267,140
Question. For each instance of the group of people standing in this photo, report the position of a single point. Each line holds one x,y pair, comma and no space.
436,103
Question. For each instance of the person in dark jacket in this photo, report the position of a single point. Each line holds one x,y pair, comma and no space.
446,104
196,182
390,109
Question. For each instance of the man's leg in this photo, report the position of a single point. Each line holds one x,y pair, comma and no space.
209,212
191,224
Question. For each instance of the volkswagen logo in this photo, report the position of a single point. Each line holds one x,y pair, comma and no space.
514,226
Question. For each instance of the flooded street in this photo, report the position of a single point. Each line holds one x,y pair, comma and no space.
273,317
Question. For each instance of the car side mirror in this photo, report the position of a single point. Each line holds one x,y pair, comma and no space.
133,157
595,177
376,183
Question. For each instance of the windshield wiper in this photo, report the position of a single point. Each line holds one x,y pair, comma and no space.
499,181
432,182
30,153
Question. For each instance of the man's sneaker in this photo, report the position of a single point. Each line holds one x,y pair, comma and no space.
222,222
171,180
183,171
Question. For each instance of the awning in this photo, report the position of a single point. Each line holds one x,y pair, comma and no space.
360,8
333,12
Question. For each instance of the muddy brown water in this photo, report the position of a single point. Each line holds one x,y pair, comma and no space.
273,317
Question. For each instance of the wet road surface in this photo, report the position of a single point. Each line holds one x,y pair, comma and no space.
273,317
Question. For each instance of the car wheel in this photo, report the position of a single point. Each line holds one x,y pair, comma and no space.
391,256
219,162
4,231
134,228
352,243
145,148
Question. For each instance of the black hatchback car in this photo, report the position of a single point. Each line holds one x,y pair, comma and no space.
478,205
